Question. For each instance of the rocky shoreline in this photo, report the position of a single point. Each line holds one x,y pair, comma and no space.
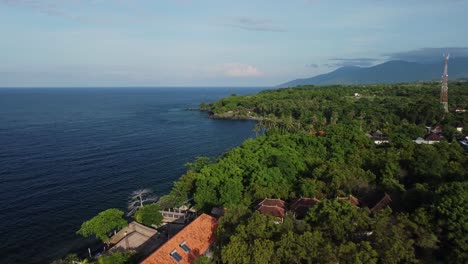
225,116
233,117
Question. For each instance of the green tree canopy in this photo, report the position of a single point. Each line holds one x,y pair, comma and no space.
339,220
149,215
117,258
102,224
451,209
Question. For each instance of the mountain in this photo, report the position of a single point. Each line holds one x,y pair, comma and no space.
388,72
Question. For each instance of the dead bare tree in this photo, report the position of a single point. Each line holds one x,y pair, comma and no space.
138,198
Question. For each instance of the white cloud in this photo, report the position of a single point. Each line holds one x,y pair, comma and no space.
240,70
254,24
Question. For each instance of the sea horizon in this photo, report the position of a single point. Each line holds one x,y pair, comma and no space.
68,154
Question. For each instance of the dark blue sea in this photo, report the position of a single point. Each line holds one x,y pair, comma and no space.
68,153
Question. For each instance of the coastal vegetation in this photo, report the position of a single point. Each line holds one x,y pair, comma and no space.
102,224
149,215
138,199
425,222
314,142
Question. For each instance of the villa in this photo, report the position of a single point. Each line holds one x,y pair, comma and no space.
193,241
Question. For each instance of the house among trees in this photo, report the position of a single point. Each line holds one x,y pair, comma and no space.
273,207
459,127
191,242
437,129
460,110
420,141
136,237
179,215
384,202
429,139
464,144
378,137
353,200
433,138
300,206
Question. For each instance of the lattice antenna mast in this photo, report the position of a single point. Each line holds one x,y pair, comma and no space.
444,90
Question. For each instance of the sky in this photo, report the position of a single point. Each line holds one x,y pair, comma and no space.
92,43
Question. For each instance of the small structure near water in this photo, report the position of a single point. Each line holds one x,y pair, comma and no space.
136,237
179,215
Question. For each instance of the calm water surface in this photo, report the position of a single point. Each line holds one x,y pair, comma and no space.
67,154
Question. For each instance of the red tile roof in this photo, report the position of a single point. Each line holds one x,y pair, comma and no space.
384,202
273,202
272,207
437,128
272,211
302,205
434,137
199,235
353,200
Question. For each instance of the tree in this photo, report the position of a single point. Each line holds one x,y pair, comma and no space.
198,164
236,252
361,253
392,240
102,224
71,259
138,198
117,258
262,251
451,211
149,215
203,260
333,219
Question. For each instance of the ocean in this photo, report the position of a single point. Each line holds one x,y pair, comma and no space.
67,154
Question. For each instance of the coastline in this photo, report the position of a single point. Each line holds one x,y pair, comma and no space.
226,115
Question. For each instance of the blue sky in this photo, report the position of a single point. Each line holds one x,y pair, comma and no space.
215,42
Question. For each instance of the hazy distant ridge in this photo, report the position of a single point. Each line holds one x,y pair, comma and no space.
388,72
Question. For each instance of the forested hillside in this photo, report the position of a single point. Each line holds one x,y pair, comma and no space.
312,143
395,71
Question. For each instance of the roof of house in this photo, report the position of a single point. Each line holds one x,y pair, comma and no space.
300,206
191,242
384,202
434,137
272,211
353,200
273,202
272,207
437,128
377,133
137,237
